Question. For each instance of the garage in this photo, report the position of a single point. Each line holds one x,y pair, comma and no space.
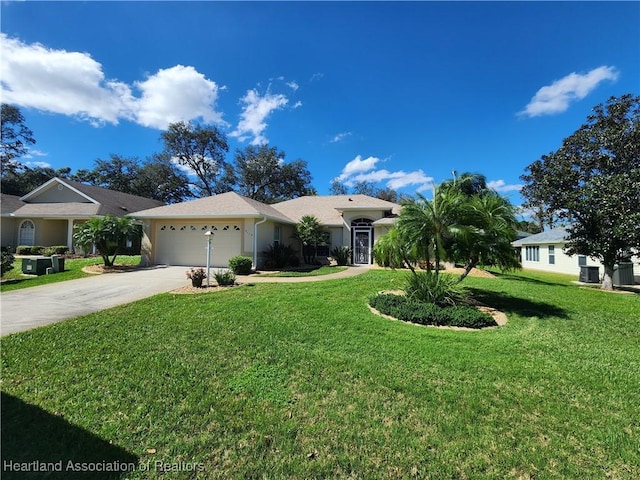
180,243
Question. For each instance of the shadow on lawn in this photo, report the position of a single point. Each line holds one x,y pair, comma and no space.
33,436
518,278
521,306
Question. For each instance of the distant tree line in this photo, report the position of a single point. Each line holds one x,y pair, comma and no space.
192,164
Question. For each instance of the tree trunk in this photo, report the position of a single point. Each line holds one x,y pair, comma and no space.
471,264
107,261
607,279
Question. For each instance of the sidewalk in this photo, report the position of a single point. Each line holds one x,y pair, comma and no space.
351,271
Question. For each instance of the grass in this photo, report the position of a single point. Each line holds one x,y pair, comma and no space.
306,272
302,381
14,279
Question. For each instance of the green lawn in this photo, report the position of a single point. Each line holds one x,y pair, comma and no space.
302,381
306,272
14,279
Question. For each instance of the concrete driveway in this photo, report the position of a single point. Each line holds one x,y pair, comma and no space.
36,306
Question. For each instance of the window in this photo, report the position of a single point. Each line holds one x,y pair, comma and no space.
276,235
582,260
532,253
552,255
26,234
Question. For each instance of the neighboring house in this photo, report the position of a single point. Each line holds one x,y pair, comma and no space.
9,224
174,234
47,215
545,251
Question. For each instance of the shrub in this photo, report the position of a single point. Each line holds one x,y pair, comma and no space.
469,317
279,255
430,287
294,261
29,250
341,254
225,277
6,263
55,250
410,310
240,265
196,273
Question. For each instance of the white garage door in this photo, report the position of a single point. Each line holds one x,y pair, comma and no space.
180,243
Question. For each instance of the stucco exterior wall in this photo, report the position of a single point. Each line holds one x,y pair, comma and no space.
51,232
54,195
9,232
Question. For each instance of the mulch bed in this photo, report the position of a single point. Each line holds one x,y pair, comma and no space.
100,269
189,289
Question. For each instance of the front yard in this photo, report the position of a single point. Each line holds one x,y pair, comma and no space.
14,279
303,381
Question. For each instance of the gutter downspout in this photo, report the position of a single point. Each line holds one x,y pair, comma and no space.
255,242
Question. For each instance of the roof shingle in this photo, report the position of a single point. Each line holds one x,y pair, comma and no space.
229,204
328,208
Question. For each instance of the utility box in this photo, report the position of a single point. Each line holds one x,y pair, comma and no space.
589,274
57,262
623,273
36,265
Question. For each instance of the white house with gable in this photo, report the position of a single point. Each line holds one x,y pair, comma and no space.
545,251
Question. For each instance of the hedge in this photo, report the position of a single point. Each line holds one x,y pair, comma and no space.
40,250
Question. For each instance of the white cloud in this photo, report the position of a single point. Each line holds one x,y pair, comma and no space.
70,83
555,98
294,86
502,186
298,104
357,165
73,83
256,110
175,94
526,213
187,170
363,170
316,76
35,153
340,136
37,164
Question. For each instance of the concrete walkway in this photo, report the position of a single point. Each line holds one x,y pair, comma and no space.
33,307
260,278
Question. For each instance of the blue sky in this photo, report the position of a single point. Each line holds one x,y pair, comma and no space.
397,93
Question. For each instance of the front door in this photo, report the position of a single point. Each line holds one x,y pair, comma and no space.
362,246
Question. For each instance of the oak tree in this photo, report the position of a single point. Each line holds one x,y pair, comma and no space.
201,148
261,173
593,183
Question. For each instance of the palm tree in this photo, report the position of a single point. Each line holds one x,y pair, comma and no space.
308,231
431,224
490,228
393,250
465,222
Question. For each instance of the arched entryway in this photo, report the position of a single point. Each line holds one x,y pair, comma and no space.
361,240
27,233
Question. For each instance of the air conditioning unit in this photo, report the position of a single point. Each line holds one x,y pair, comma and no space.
589,274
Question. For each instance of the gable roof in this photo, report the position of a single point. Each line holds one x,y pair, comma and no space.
99,201
328,208
9,203
223,205
555,235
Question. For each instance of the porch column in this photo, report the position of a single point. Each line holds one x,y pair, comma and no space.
70,234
